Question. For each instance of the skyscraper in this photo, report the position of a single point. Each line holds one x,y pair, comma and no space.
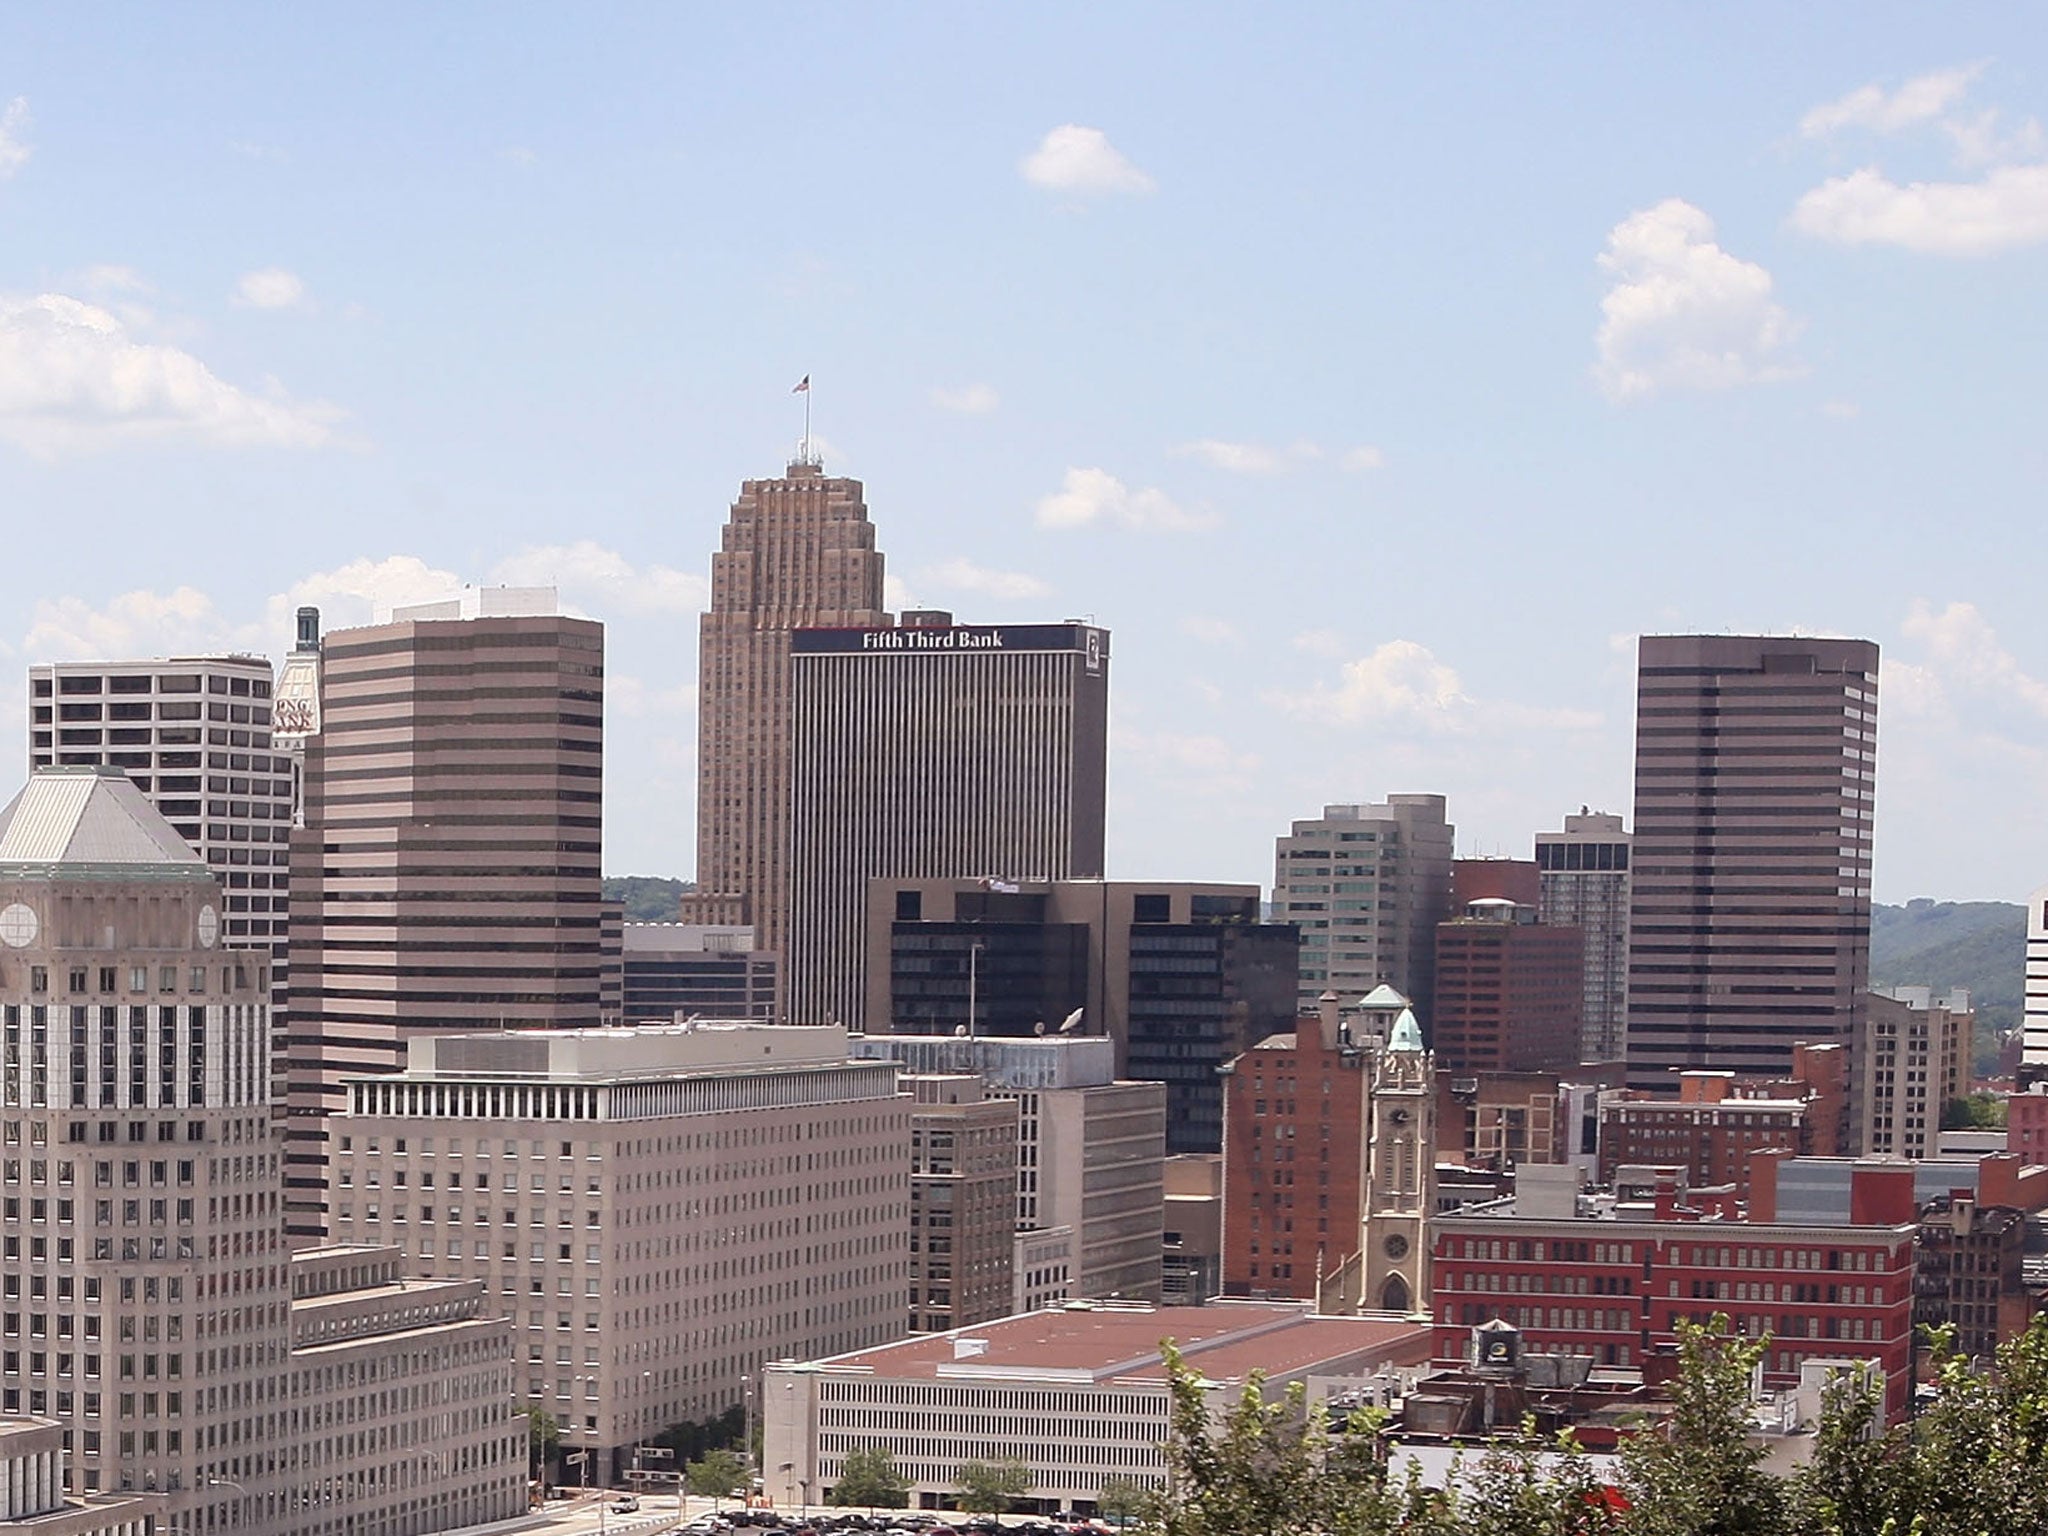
1367,885
1749,916
447,875
1582,875
933,749
797,551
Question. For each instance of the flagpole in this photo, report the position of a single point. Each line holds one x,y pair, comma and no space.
807,421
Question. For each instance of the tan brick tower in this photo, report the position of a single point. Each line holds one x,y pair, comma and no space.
798,552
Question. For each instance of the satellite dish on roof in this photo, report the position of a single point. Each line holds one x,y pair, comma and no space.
1071,1022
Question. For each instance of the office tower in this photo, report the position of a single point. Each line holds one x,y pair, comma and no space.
963,1201
1749,911
1912,1063
1181,976
161,1327
1582,875
681,970
1090,1156
797,551
1367,885
933,749
447,872
2034,1018
657,1208
1508,991
194,735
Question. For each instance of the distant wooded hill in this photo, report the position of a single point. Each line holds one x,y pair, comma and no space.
1981,945
648,898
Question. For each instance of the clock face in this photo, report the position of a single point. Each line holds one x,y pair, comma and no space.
1399,1117
18,925
209,927
1396,1246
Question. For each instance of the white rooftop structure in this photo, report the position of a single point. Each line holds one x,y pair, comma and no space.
89,815
483,603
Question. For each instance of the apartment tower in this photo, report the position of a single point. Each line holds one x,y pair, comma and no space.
447,875
1367,885
1582,883
797,551
1749,913
935,749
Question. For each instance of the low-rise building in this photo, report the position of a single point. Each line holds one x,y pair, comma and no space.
32,1489
1969,1273
1078,1394
1611,1281
658,1208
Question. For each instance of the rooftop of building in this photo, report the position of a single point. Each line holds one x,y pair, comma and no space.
91,820
1112,1341
630,1052
1007,1061
482,603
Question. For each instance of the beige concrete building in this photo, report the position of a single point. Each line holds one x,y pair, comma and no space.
1582,883
1191,1265
1367,885
1090,1152
1078,1394
143,1267
796,551
1915,1058
977,751
658,1209
32,1483
447,876
446,1447
963,1201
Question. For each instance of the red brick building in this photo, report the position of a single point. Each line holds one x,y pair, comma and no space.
1719,1122
1615,1288
1510,991
1294,1135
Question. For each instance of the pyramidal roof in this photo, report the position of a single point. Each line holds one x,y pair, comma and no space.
1407,1034
1383,996
89,815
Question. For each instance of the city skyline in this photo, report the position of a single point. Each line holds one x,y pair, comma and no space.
1070,389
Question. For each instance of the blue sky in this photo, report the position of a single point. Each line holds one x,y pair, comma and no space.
1375,373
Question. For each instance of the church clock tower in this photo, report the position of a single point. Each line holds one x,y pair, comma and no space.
1400,1190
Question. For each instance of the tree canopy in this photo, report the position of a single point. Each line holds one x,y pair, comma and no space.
870,1480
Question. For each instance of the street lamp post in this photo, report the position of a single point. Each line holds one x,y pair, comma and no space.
747,1432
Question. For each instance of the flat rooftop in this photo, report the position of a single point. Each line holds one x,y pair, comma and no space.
1225,1341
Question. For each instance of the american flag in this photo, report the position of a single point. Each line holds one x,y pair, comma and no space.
803,386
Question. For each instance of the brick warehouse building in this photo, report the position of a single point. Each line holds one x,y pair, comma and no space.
1614,1286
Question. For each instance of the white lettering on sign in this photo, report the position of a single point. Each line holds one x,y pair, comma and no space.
932,640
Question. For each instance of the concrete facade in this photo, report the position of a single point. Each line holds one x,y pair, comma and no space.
1079,1395
1582,876
1367,885
1090,1155
1749,904
963,1201
32,1483
658,1209
1915,1058
447,876
795,551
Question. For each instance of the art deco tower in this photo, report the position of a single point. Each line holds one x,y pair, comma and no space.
798,552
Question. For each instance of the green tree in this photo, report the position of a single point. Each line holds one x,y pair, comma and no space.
1860,1479
1979,1450
1123,1501
543,1434
1698,1472
987,1487
871,1481
719,1475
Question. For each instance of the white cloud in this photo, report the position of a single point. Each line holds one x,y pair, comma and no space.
139,623
1922,99
1072,158
1319,642
72,379
896,594
1210,630
1683,313
1206,767
1964,652
13,153
633,698
1404,688
361,592
2008,208
110,277
1840,410
603,580
1364,458
968,400
963,575
1091,496
270,288
1238,458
